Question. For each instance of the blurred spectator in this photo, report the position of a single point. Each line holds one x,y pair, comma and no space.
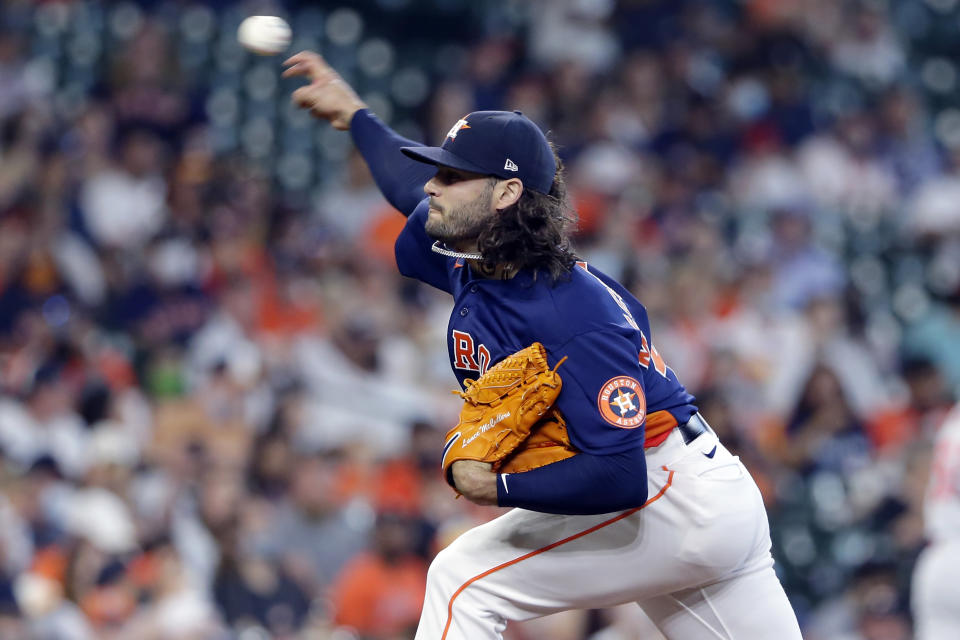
870,609
866,46
124,206
18,87
172,606
823,433
348,205
904,144
936,336
380,593
316,508
46,425
802,270
927,404
842,171
251,590
932,210
573,30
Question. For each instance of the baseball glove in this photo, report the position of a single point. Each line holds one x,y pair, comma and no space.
502,408
548,442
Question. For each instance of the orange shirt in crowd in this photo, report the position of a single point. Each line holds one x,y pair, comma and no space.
380,599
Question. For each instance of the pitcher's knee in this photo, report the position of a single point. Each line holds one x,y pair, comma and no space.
454,583
448,571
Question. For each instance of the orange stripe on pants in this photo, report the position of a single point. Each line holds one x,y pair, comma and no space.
554,545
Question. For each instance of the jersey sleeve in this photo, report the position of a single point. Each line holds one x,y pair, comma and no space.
603,397
582,485
398,177
414,256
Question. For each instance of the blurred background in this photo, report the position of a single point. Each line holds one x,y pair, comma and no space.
221,408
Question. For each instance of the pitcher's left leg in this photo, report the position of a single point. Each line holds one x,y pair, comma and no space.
747,602
752,606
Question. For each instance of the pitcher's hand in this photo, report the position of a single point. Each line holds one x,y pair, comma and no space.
476,481
327,96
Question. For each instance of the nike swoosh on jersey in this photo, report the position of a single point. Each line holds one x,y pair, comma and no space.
712,452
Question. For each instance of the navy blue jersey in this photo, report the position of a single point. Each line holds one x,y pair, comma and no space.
617,396
617,392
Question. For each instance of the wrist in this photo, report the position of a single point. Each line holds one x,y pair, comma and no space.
351,114
476,481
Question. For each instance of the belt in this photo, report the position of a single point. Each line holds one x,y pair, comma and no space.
693,428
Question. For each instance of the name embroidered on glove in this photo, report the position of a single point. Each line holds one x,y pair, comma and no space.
484,428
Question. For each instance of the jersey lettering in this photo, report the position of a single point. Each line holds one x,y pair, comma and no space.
658,362
648,354
463,348
483,355
644,358
468,355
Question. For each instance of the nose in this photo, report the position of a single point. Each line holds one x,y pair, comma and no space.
431,188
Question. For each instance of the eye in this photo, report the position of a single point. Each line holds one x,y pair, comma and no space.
447,176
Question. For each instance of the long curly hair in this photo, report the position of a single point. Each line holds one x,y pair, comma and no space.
534,233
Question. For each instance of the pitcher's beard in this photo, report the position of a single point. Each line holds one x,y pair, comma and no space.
453,234
463,224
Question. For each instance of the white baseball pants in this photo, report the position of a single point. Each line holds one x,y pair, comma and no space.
936,600
696,558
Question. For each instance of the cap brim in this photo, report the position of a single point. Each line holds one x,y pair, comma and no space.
441,157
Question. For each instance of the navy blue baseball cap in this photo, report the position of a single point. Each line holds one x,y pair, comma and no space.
505,144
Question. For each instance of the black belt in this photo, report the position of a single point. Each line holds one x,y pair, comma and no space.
693,428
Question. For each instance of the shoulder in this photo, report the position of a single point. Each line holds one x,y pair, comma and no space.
581,280
590,293
580,304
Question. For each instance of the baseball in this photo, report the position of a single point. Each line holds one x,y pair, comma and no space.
264,35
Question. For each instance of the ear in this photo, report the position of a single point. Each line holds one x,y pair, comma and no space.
506,193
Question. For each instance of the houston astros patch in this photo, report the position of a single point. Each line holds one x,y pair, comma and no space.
622,403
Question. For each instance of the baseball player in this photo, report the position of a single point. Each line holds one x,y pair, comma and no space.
936,601
647,506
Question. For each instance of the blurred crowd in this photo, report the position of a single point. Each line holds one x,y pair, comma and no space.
221,408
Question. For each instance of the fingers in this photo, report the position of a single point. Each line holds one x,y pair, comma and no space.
303,97
298,69
299,57
305,63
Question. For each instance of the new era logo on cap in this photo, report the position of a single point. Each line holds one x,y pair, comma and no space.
505,144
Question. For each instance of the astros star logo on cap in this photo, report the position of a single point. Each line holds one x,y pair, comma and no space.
455,129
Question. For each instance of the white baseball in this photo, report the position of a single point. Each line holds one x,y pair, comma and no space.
264,35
